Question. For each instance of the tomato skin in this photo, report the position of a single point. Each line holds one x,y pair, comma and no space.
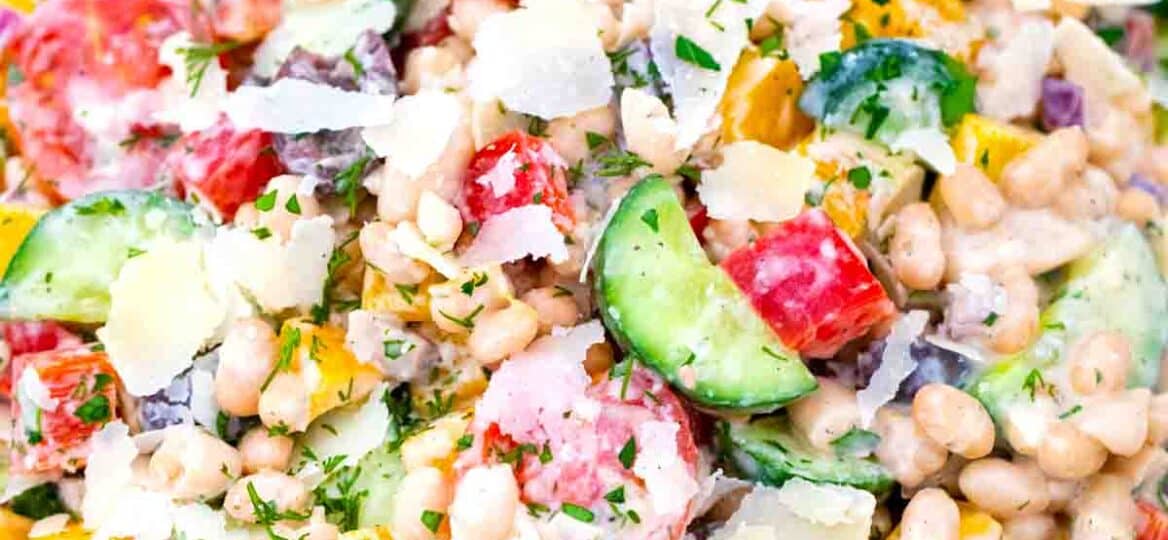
810,284
63,436
1153,524
31,337
224,167
245,20
538,172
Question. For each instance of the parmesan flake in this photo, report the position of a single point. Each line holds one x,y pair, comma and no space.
896,364
298,106
756,181
515,234
324,28
419,130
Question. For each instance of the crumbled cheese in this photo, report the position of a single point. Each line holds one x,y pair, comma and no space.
501,177
812,28
667,478
544,59
49,526
276,275
794,512
350,431
1090,63
191,112
697,91
325,28
649,130
32,388
204,405
929,144
515,234
756,181
299,106
1018,66
410,243
896,364
418,132
157,323
112,504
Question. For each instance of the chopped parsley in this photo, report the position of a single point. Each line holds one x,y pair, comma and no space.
338,258
351,58
396,348
94,411
477,279
1071,412
545,455
289,341
990,319
103,206
595,140
628,453
620,164
348,182
689,172
688,51
1034,383
537,126
860,177
407,291
432,520
561,291
650,218
464,442
263,233
578,513
465,322
770,45
293,205
266,202
267,513
616,496
198,57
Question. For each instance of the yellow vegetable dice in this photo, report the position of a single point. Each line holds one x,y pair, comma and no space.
372,533
25,6
846,206
73,531
990,144
408,302
891,19
333,375
15,222
13,526
762,102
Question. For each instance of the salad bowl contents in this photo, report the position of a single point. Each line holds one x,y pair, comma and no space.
580,270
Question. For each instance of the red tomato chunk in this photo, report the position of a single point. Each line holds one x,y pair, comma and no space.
52,431
31,337
223,167
810,284
516,170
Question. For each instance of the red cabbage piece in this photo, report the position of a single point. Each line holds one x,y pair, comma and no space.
1062,104
1149,186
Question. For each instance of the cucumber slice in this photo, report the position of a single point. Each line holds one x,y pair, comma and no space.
683,316
64,267
770,450
362,497
1118,287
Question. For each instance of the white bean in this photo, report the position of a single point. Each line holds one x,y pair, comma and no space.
285,493
1030,527
439,221
905,450
971,197
1099,362
555,307
649,130
1068,453
569,135
1017,325
246,357
1104,510
284,211
930,515
284,403
826,414
954,419
1035,178
262,450
916,253
499,334
1119,421
192,464
421,490
484,504
380,251
1004,489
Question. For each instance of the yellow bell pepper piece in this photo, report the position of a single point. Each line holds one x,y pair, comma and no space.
408,302
322,360
846,206
24,6
373,533
990,144
73,531
15,222
890,19
762,102
13,526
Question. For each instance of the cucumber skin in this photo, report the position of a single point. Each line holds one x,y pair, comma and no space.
749,448
790,379
1138,308
84,253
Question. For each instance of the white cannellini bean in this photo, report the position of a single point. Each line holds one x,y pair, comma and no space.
1030,527
284,403
1068,453
246,357
908,453
826,414
284,492
1017,325
283,214
1119,420
930,515
569,135
484,504
1004,489
380,251
1035,178
916,253
1104,510
192,464
649,130
439,221
261,450
954,419
1099,362
420,490
972,198
555,307
499,334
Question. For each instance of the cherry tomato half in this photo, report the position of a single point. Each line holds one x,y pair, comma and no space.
515,170
223,167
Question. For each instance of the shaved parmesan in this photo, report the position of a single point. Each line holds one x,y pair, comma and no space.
515,234
299,106
49,526
198,520
276,275
696,90
929,144
410,242
348,433
896,364
1018,66
418,132
756,181
801,510
667,478
325,28
191,112
1090,63
597,232
501,177
204,405
812,28
544,59
157,323
32,388
649,130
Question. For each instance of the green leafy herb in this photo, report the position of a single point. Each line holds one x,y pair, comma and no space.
537,198
595,140
407,291
293,205
620,164
561,291
348,182
464,442
222,420
198,57
288,343
628,453
102,206
263,233
650,218
38,502
338,258
772,43
351,58
855,442
861,31
94,411
1033,382
432,520
465,322
984,160
545,455
101,380
1071,412
278,430
689,172
616,496
1110,34
342,503
860,177
990,319
829,62
537,126
578,513
266,202
688,51
536,510
477,279
395,348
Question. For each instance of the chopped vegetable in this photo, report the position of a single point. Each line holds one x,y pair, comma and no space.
509,172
